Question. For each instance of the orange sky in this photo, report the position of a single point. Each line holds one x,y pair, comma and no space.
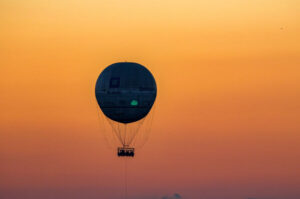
227,113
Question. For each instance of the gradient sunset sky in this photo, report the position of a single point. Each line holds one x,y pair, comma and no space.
227,118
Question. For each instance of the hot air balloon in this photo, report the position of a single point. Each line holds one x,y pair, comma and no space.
125,93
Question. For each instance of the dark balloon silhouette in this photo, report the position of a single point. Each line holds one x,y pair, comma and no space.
125,92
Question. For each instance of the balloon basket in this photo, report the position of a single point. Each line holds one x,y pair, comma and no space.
125,152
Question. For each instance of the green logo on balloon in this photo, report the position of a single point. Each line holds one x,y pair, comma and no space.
134,103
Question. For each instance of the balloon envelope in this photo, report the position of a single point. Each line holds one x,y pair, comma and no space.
125,92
